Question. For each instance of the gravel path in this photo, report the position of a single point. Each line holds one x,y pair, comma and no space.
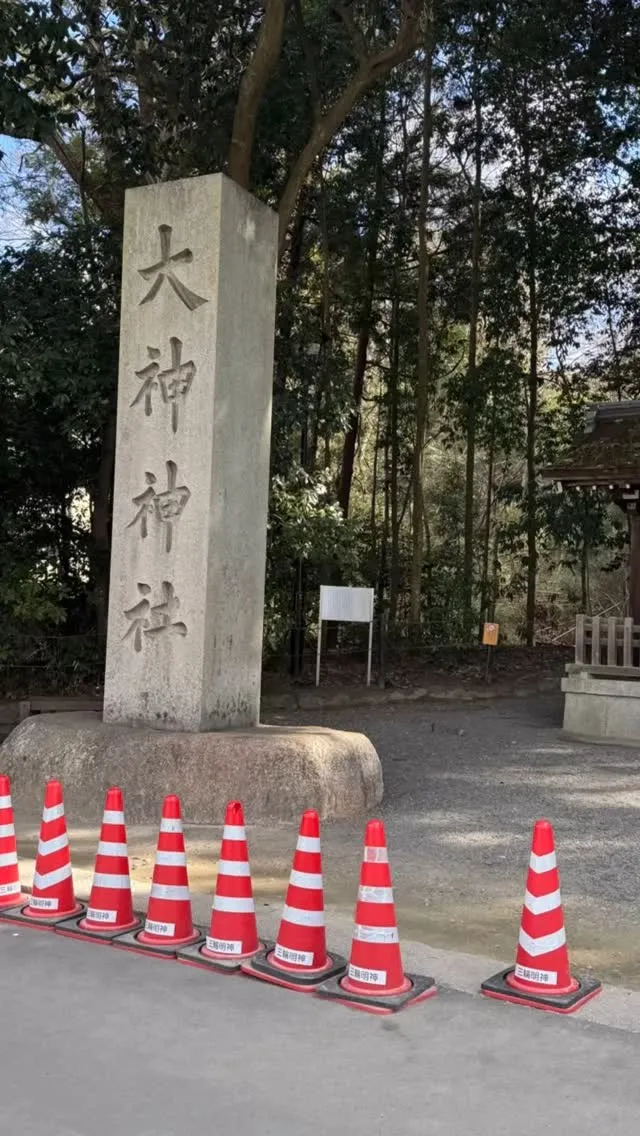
463,788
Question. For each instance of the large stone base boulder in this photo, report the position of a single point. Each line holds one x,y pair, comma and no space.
276,771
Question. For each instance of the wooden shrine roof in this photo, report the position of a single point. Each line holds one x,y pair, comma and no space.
607,453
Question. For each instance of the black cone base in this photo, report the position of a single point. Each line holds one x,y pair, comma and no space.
260,967
421,988
129,941
42,923
193,956
71,929
498,987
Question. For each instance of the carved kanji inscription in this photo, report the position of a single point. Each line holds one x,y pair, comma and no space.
166,506
162,270
154,620
173,384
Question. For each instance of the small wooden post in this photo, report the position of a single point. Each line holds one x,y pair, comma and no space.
319,652
490,640
580,639
612,642
627,649
369,653
595,641
382,649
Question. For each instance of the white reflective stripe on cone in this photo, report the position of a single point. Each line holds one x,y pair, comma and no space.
374,855
541,864
170,825
169,891
50,879
233,903
233,868
7,830
375,934
539,904
544,944
54,813
5,802
310,880
234,832
111,848
375,895
171,859
308,844
56,844
302,917
112,816
7,859
106,880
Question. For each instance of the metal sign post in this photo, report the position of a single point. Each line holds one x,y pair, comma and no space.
345,605
490,639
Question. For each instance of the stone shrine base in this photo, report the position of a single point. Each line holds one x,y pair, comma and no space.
602,707
276,771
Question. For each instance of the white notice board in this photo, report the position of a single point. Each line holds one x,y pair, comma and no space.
345,605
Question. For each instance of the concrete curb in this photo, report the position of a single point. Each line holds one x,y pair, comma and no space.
316,699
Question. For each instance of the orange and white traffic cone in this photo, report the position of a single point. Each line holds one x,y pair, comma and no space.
110,910
299,959
375,980
52,898
10,891
541,977
169,922
233,933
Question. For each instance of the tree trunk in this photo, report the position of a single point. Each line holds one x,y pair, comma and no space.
472,377
324,356
65,542
532,384
422,393
394,366
101,527
283,362
584,576
371,69
634,567
253,84
384,536
488,518
364,333
373,511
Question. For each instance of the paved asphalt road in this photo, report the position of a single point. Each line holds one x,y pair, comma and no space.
95,1042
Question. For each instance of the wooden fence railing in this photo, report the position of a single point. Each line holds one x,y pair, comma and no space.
607,642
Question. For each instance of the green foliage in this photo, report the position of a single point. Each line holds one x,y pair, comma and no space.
304,524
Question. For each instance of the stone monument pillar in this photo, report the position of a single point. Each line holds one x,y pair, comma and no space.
186,600
184,652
